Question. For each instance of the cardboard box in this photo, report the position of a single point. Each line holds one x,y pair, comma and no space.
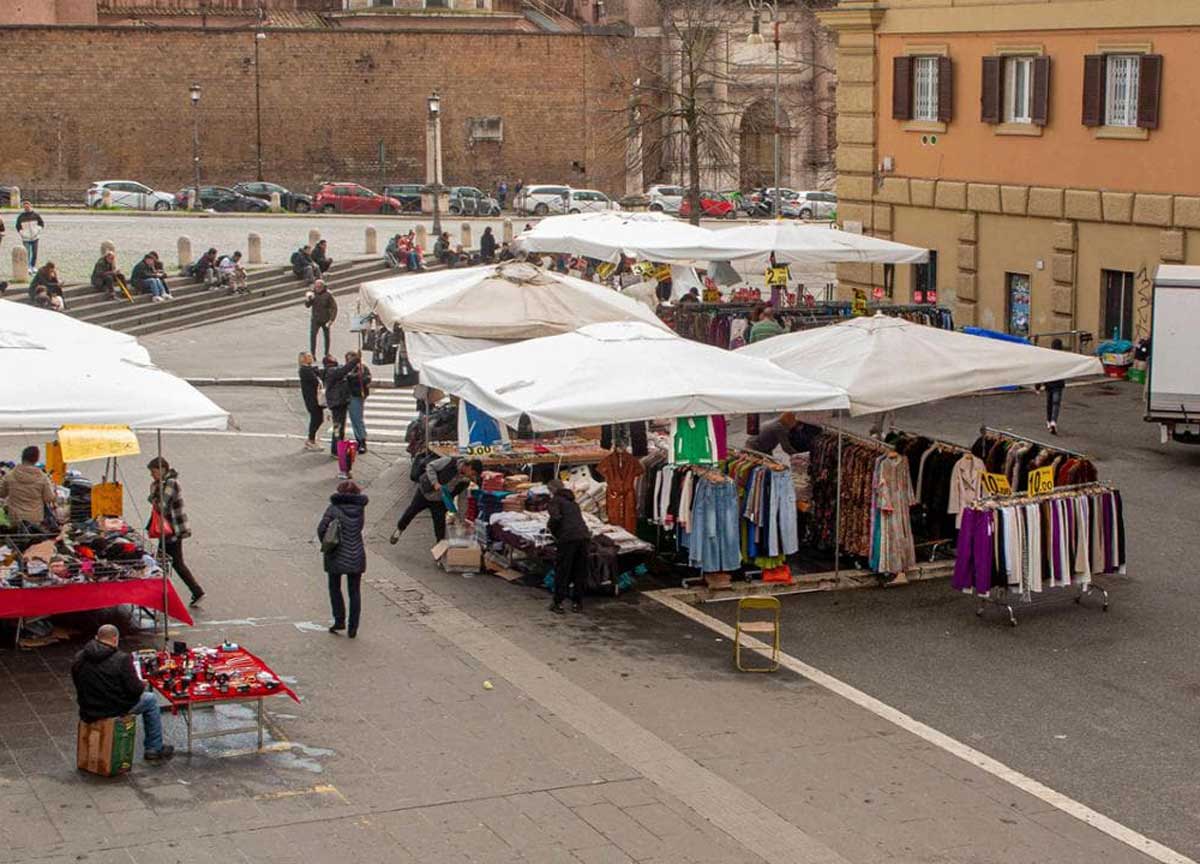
106,746
456,558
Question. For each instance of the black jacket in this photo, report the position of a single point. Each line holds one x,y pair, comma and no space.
487,245
322,260
324,307
53,286
103,268
566,519
300,263
359,380
106,684
337,388
310,379
350,556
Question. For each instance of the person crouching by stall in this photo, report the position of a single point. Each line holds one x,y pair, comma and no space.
169,520
107,685
345,554
571,538
441,481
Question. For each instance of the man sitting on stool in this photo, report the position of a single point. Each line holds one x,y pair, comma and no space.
107,685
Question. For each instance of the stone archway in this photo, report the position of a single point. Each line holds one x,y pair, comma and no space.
756,148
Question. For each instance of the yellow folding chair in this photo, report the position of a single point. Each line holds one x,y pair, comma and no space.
755,624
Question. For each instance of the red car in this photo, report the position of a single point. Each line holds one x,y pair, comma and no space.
712,206
352,198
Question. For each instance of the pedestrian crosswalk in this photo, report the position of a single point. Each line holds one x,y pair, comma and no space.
388,413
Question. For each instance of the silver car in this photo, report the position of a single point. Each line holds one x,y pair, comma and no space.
812,205
590,201
664,198
129,194
542,200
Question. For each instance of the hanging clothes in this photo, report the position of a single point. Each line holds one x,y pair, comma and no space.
692,441
621,471
892,547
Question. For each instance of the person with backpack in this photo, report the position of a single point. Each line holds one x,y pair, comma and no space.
340,532
440,479
358,377
312,391
303,266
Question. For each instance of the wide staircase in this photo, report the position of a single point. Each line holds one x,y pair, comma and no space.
268,288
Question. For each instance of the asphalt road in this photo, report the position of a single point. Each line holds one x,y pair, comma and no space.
1100,706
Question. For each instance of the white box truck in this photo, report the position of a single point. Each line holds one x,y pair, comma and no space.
1173,379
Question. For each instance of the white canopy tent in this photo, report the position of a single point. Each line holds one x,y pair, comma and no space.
621,373
609,235
885,363
23,326
455,311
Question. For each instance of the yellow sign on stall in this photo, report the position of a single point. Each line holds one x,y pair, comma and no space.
996,484
55,466
1041,480
84,443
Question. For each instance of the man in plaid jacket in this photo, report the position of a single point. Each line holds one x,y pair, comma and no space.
166,501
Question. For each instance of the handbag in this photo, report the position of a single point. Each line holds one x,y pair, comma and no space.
332,537
160,527
320,394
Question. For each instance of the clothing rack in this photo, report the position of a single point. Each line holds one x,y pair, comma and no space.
984,430
758,458
862,439
1030,498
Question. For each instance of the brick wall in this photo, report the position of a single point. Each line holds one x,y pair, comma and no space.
111,103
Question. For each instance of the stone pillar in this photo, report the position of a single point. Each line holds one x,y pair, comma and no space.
422,238
508,231
14,197
191,199
106,198
1062,272
107,246
20,263
372,241
466,235
254,248
966,289
314,236
183,247
276,203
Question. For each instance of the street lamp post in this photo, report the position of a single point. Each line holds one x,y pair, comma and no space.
259,36
771,7
435,121
194,90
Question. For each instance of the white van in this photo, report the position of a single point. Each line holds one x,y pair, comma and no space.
590,201
542,200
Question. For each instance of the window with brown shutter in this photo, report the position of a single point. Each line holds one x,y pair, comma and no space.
1149,89
989,96
1040,115
945,107
902,97
1093,90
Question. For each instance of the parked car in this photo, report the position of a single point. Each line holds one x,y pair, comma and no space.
129,194
5,195
813,205
664,198
288,200
352,198
469,201
222,199
541,200
589,201
712,206
408,194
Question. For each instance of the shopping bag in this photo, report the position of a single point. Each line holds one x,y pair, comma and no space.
108,499
159,527
346,451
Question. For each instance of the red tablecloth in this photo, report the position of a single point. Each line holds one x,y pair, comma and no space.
234,663
33,602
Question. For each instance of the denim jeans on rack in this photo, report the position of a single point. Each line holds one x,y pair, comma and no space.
714,544
784,534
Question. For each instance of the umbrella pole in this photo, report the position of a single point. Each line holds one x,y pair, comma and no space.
162,553
837,508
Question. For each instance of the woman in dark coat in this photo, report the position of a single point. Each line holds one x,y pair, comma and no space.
310,392
348,506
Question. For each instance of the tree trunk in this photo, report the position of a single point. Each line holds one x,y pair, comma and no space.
694,171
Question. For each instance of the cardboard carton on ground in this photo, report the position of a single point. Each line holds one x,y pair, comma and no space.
106,746
456,558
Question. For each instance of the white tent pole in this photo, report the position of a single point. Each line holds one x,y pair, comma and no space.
837,508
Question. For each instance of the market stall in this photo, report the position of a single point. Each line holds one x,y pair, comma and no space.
610,235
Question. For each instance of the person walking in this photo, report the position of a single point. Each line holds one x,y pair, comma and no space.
487,245
166,503
312,391
324,312
440,482
571,538
348,556
358,379
29,227
1054,395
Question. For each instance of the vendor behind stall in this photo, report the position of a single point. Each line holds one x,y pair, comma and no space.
786,432
108,685
441,481
27,491
571,537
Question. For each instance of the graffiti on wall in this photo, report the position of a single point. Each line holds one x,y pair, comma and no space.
1143,296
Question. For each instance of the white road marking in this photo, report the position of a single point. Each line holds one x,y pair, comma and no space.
998,769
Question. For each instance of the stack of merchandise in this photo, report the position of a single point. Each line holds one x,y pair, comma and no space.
100,550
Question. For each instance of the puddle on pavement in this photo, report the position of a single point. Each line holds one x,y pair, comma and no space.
276,751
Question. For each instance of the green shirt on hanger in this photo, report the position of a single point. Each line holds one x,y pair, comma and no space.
692,441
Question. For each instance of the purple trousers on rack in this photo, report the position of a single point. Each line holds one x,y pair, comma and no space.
973,563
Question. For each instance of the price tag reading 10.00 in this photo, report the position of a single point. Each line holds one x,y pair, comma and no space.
996,484
1041,480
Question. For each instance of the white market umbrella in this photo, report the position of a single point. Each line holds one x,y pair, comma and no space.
885,363
621,373
609,235
794,243
27,326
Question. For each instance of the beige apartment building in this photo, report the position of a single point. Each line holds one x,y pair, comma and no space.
1043,150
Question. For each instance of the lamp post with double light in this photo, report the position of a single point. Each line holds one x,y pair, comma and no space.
435,123
259,36
771,8
194,92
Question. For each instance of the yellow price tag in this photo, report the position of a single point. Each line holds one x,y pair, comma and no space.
777,276
996,484
1041,480
480,450
858,307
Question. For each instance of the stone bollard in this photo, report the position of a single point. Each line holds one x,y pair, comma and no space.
183,247
20,261
508,231
276,202
14,197
254,247
372,241
422,238
466,235
106,198
314,237
192,203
